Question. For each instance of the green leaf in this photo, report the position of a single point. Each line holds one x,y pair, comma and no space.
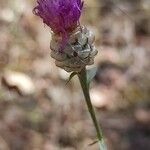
71,76
91,74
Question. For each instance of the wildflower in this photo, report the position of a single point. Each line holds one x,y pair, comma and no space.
72,45
62,16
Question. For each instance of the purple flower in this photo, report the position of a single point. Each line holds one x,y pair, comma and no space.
62,16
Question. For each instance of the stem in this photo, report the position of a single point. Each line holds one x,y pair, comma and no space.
85,87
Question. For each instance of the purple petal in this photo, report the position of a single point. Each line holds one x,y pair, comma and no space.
62,16
59,15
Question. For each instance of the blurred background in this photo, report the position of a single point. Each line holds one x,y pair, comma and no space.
38,111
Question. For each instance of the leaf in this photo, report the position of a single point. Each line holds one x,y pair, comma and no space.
102,145
91,74
94,142
71,76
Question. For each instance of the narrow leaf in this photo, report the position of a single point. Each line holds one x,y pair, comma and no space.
71,76
94,142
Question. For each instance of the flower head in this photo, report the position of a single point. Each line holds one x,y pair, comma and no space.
78,53
72,45
62,16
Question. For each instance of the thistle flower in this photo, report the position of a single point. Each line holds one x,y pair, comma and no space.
72,45
62,16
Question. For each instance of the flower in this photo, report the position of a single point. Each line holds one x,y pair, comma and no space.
71,45
62,16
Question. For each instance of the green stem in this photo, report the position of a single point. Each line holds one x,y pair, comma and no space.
85,87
